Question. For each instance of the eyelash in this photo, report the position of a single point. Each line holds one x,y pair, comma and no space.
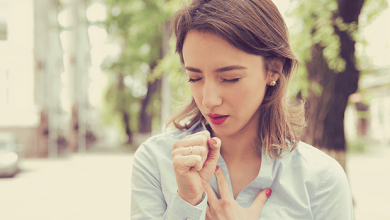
230,80
223,80
193,80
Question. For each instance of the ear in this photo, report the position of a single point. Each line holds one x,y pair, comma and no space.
275,68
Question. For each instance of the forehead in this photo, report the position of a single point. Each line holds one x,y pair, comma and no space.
206,49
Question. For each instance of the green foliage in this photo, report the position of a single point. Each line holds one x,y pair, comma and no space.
137,26
171,66
370,11
314,23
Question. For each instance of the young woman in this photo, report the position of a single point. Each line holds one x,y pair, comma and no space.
236,154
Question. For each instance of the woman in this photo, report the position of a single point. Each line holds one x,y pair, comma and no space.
236,154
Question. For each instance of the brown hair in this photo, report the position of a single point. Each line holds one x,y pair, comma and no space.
256,27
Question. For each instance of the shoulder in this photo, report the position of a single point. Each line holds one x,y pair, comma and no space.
312,158
322,170
326,183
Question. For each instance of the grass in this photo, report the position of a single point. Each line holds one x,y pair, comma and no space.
360,146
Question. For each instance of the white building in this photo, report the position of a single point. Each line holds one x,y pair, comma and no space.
18,108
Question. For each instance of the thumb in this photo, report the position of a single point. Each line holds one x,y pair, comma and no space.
212,159
215,146
260,199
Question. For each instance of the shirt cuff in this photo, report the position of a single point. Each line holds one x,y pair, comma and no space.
182,210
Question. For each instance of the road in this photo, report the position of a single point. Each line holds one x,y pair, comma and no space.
96,186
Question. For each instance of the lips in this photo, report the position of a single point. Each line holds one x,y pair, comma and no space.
217,119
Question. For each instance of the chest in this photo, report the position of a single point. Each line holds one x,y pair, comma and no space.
284,203
242,175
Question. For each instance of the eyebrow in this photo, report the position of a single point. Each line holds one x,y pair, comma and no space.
223,69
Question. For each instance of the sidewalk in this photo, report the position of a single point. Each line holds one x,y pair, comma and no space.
369,178
93,186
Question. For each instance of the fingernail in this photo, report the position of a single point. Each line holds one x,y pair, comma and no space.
216,168
214,141
268,192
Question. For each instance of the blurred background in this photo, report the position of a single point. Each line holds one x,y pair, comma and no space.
84,82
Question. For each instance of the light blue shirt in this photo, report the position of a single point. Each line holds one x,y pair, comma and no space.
306,184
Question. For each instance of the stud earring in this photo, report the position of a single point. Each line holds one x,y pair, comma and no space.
273,83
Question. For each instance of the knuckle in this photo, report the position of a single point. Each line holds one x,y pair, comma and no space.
217,210
205,133
198,158
176,145
174,153
225,202
203,140
174,162
202,150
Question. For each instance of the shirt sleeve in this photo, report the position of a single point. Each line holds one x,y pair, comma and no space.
147,198
180,209
333,199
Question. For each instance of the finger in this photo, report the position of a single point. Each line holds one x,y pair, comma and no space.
212,158
211,196
198,140
215,146
214,152
183,164
260,199
192,150
223,185
208,213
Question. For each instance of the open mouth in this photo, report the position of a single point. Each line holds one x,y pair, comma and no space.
217,119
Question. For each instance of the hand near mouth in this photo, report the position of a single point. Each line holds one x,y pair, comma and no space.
194,162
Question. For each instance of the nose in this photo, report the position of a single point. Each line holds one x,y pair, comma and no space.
211,95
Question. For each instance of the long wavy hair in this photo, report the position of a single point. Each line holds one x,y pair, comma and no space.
256,27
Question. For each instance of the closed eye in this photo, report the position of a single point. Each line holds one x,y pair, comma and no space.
231,80
193,80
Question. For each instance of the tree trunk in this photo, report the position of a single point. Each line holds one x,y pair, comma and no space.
146,114
326,111
126,121
123,109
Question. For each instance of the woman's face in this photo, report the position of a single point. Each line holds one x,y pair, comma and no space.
228,84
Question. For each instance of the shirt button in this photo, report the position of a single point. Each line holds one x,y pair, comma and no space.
189,218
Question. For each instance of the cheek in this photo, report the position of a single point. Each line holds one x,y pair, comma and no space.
196,94
239,95
250,95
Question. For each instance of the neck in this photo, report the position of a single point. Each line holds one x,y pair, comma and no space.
239,147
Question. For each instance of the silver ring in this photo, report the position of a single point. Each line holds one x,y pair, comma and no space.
190,153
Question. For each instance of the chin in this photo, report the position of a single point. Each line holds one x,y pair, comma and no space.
222,130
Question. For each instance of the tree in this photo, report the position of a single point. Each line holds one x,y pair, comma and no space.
139,27
329,31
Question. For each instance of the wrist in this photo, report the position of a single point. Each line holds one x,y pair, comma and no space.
191,200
